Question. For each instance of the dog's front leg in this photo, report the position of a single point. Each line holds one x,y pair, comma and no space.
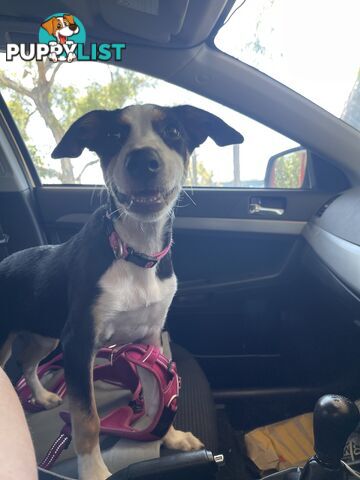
174,439
78,365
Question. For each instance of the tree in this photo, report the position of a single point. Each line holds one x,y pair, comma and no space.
351,112
198,175
287,172
37,92
257,45
58,106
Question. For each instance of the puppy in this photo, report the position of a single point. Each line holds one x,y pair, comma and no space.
61,28
113,282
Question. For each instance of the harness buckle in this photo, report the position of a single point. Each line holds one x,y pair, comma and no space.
170,366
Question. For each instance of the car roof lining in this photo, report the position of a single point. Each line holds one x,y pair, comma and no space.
170,23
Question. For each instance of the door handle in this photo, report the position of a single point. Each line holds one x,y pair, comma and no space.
258,208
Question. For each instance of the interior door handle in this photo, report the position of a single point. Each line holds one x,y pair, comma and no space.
258,208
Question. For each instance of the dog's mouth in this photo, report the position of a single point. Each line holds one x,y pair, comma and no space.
62,39
146,201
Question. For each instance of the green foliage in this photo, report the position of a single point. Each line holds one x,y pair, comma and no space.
198,175
22,110
351,112
122,87
287,171
256,43
38,92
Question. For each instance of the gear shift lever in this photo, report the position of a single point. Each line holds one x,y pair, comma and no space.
335,417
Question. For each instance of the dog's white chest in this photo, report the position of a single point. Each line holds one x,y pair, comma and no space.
132,305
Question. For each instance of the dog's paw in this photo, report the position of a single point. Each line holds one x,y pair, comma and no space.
92,468
184,441
71,56
97,474
48,400
53,57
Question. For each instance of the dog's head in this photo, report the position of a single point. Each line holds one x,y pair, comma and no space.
61,27
144,151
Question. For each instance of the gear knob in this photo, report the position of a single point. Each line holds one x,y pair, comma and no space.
335,418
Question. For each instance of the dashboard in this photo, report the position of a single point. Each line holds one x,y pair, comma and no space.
334,235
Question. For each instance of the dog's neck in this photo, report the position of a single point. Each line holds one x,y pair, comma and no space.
144,237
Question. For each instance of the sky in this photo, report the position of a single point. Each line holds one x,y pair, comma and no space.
309,45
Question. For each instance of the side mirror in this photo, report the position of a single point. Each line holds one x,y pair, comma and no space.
288,169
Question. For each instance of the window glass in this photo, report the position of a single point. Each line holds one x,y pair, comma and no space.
310,46
45,98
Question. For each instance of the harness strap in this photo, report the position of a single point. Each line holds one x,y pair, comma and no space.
61,443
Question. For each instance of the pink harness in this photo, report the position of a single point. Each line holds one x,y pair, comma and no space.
120,370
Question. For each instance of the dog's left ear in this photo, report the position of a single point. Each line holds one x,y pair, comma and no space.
84,133
200,124
49,25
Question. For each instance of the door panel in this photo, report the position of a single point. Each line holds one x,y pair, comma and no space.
58,201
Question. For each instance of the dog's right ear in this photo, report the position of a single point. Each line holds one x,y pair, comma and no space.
84,133
50,25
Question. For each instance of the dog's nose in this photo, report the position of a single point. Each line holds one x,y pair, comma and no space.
143,162
73,27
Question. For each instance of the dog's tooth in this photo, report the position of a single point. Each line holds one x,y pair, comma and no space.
158,198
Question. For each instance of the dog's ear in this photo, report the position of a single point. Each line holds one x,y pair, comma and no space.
50,25
69,18
200,124
85,132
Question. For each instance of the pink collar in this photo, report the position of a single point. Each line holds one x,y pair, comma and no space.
125,252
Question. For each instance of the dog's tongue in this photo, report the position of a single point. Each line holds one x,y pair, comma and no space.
62,39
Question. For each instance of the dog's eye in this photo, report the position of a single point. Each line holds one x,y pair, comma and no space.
172,132
59,25
66,23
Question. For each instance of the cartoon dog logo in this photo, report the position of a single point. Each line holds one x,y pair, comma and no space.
61,27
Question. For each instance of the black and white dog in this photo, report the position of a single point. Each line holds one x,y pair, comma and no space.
106,285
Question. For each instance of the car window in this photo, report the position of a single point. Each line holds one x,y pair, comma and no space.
310,46
45,98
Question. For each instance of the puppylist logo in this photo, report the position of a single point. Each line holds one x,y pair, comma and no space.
62,39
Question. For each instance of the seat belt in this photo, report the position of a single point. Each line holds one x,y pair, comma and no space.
4,240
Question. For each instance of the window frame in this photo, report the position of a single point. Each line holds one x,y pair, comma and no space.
20,144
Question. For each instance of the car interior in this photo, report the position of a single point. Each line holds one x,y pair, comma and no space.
266,319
